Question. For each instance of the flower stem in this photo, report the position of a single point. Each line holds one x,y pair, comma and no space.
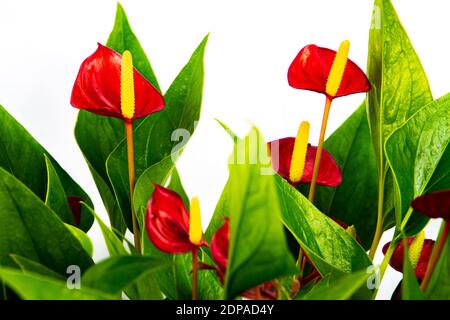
312,188
194,273
130,156
379,228
435,256
385,263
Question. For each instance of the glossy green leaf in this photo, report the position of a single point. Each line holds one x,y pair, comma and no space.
399,84
330,248
341,287
30,286
34,231
22,156
221,211
145,288
258,250
115,274
83,238
176,185
27,265
399,89
418,152
439,286
122,38
113,243
97,136
56,197
354,201
158,173
160,137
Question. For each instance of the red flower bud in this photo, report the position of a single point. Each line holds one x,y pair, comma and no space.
97,87
75,207
167,222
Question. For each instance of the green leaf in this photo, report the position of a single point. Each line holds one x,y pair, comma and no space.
227,129
342,287
330,248
31,286
97,136
209,287
27,265
439,286
145,288
113,243
221,211
354,201
83,238
157,173
258,250
176,185
418,153
122,38
160,137
399,89
22,156
56,197
115,274
34,231
399,84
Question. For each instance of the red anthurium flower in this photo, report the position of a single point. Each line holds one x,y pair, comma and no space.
75,207
311,68
421,259
168,222
434,205
329,172
98,88
219,252
219,248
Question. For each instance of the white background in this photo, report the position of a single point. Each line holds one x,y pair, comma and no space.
251,45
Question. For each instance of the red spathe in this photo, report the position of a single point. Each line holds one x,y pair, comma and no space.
97,87
167,222
329,172
311,67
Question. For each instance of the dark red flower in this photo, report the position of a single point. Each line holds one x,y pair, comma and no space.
219,248
399,254
167,222
434,205
75,207
329,172
219,252
97,87
311,68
